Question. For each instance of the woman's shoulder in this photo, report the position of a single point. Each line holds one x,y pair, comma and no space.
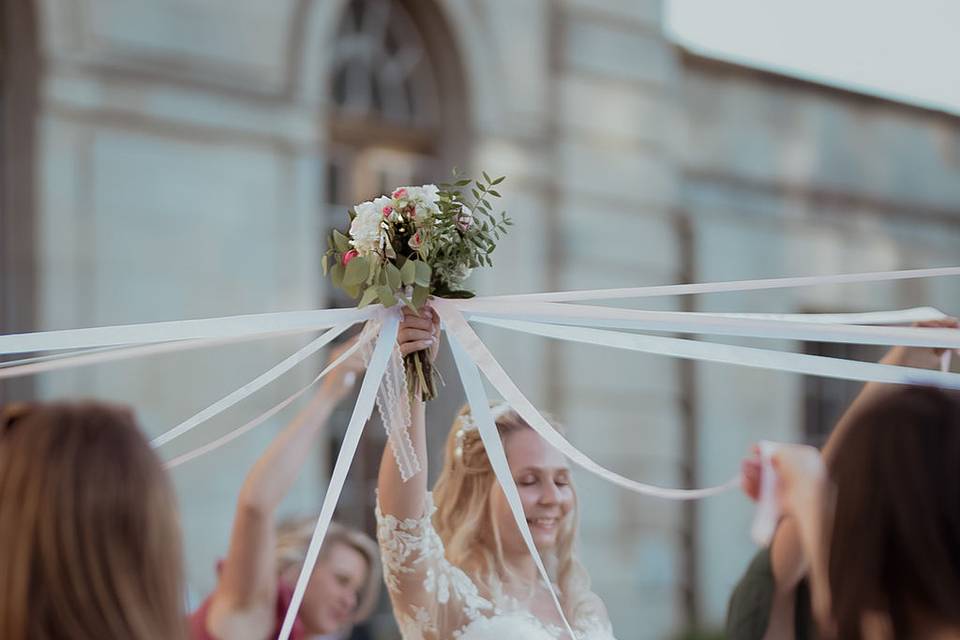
592,619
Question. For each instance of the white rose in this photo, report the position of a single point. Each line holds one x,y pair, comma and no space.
424,200
365,231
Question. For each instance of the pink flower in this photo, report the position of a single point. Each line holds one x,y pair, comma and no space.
399,194
348,256
387,210
416,241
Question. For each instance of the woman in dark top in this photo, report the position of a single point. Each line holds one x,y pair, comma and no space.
772,599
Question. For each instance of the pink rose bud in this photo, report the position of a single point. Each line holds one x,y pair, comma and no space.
348,256
399,194
416,241
387,210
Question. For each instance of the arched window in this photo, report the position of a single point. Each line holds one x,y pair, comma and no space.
395,100
18,108
398,116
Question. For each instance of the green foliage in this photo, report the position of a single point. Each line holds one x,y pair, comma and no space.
424,258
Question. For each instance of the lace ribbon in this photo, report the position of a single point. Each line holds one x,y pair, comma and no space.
392,404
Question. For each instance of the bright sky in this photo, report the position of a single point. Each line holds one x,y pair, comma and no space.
906,50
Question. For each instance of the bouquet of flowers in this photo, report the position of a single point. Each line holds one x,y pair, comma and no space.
414,243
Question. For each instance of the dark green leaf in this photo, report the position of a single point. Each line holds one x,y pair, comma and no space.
485,176
458,294
499,180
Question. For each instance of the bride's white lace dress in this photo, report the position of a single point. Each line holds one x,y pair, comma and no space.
435,600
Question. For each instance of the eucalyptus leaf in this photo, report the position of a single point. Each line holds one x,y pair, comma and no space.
406,301
341,242
424,272
368,297
386,296
357,272
393,276
408,272
420,295
336,275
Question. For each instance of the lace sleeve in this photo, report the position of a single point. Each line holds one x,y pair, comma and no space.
593,622
431,597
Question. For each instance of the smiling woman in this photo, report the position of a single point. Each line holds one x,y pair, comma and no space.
455,561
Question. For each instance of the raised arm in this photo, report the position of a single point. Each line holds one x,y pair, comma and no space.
788,561
401,499
413,553
246,591
787,558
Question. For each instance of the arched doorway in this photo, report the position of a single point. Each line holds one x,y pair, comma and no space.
19,70
398,100
398,115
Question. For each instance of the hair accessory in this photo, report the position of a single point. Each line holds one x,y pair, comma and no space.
466,424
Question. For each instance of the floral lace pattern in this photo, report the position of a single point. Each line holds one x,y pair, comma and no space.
434,600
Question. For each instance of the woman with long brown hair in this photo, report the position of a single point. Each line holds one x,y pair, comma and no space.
880,522
89,536
454,560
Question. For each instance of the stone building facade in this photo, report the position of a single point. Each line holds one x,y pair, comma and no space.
183,159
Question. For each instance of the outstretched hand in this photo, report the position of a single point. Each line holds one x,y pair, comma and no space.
921,357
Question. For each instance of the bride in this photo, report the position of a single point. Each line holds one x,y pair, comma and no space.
454,560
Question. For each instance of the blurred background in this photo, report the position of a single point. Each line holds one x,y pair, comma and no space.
173,159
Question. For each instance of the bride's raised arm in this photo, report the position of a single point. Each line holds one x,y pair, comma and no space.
404,500
431,597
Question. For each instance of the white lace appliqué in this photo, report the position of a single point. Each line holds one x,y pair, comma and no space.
434,600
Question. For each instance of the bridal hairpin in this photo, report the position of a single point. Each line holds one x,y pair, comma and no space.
467,424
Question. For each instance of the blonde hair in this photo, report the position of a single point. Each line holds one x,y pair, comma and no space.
293,539
89,536
465,522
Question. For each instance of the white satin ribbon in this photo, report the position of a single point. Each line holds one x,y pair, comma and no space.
728,286
263,324
456,325
480,410
361,413
900,316
254,385
239,431
711,324
736,355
